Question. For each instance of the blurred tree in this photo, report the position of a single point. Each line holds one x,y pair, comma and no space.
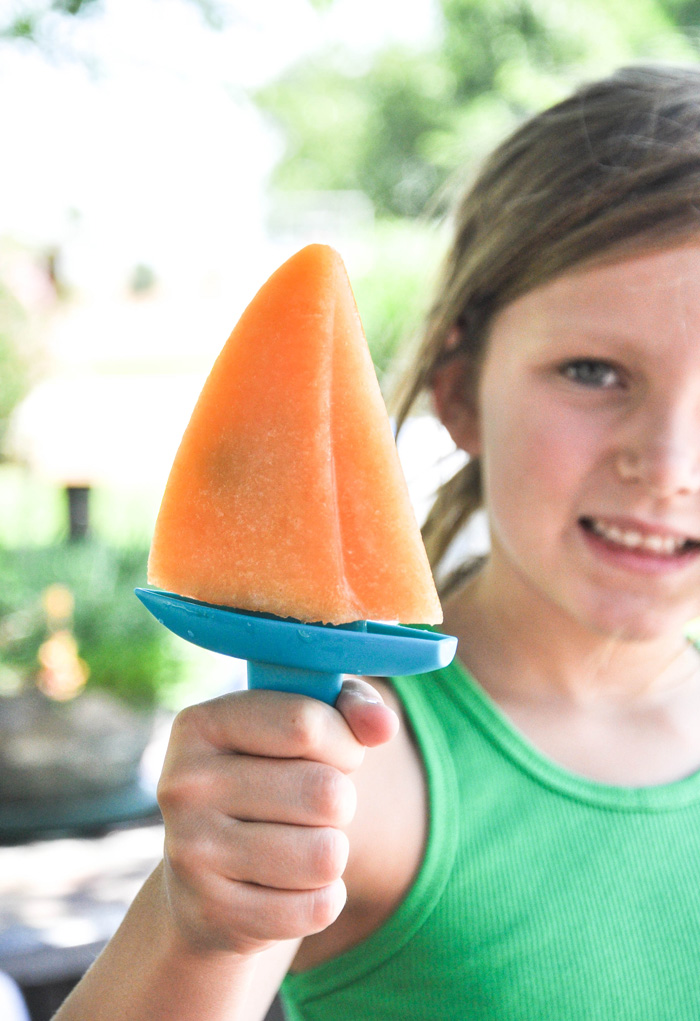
684,13
400,126
367,128
30,18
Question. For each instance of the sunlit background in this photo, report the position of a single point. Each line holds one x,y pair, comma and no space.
159,159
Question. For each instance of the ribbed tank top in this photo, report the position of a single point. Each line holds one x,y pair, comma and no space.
542,895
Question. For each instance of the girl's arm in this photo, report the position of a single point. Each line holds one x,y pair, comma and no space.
255,794
148,973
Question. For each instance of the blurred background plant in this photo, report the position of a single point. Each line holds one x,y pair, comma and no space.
153,196
397,125
68,616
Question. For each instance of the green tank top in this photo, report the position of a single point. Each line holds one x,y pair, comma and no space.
542,896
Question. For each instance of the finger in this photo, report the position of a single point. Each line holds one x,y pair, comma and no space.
362,707
295,791
274,724
283,857
277,856
265,914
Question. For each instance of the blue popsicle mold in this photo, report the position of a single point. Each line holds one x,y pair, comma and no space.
308,659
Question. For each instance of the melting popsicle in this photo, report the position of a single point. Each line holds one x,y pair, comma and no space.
286,529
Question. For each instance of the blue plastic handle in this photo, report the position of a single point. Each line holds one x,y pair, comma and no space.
289,655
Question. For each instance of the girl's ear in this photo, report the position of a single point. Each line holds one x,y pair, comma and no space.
454,398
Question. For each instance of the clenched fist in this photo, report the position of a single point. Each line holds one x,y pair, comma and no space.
255,793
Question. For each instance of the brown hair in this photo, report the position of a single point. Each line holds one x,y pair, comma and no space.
615,168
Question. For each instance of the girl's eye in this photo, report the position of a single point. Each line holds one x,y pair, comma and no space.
591,372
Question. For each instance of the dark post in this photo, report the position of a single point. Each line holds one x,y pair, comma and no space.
78,512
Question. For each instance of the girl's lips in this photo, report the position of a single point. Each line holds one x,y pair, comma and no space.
637,545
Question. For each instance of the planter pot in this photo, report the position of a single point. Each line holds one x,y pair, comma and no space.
70,766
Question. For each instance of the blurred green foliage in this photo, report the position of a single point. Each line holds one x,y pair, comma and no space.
393,291
401,125
33,20
126,651
369,131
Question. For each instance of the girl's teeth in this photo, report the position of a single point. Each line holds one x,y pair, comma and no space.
663,544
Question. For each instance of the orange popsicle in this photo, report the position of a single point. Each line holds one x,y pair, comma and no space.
286,494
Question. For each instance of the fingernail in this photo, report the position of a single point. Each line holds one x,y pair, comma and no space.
369,697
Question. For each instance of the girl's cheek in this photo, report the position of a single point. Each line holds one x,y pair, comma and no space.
536,470
561,445
531,446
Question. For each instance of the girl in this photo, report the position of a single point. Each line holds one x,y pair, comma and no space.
527,845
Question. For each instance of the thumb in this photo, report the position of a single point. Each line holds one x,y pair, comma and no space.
363,709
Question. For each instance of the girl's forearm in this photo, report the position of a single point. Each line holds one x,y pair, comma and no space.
254,795
147,972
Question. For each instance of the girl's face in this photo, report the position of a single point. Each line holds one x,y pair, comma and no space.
588,426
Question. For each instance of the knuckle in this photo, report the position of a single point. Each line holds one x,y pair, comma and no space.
194,858
324,906
168,792
331,795
184,860
186,723
180,790
329,854
305,728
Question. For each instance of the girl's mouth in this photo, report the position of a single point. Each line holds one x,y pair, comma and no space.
634,540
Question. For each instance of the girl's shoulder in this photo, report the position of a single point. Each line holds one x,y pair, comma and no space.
387,839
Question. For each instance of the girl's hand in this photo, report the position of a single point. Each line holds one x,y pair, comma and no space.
255,793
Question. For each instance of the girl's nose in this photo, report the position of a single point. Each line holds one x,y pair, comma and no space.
665,458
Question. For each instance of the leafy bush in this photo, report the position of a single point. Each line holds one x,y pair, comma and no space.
125,650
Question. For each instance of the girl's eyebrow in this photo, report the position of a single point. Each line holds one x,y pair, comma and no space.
574,335
559,327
